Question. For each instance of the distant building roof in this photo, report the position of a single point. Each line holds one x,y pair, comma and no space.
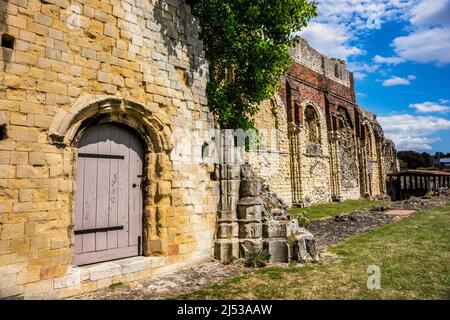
445,160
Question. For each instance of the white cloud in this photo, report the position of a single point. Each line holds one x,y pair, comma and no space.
428,40
340,23
425,46
398,81
356,13
330,40
431,12
413,132
363,67
428,107
360,70
414,125
361,95
414,143
359,75
388,60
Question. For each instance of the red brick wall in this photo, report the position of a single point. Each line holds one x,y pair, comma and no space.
306,84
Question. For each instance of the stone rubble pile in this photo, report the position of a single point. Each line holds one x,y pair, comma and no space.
264,224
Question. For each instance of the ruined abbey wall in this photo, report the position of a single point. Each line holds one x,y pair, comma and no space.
336,149
139,64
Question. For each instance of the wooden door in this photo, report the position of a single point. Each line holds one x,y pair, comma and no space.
109,198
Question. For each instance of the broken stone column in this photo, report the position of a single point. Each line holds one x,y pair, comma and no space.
250,212
275,240
259,221
227,243
229,173
302,244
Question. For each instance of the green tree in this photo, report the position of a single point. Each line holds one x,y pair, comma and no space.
246,43
403,165
414,159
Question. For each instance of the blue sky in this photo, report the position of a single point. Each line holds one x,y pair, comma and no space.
399,51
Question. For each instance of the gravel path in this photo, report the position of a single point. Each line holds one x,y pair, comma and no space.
169,285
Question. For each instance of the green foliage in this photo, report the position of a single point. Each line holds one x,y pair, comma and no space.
403,165
246,43
231,260
325,89
414,159
303,217
257,258
290,240
116,285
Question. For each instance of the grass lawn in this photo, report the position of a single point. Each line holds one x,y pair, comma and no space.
413,255
335,208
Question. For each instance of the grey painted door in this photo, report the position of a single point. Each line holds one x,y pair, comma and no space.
109,195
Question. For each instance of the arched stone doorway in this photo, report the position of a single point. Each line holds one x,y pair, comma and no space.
67,130
109,197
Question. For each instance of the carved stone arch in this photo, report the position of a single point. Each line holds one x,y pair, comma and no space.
277,107
68,125
310,103
279,118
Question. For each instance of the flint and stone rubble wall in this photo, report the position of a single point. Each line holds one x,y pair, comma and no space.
349,157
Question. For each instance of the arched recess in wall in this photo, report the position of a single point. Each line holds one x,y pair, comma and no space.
347,152
344,119
367,164
369,140
379,155
68,127
289,113
293,108
312,124
276,107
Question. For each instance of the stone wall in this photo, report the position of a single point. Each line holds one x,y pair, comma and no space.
139,63
65,66
271,161
336,149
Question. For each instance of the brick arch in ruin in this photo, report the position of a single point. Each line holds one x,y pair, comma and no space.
316,163
68,126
